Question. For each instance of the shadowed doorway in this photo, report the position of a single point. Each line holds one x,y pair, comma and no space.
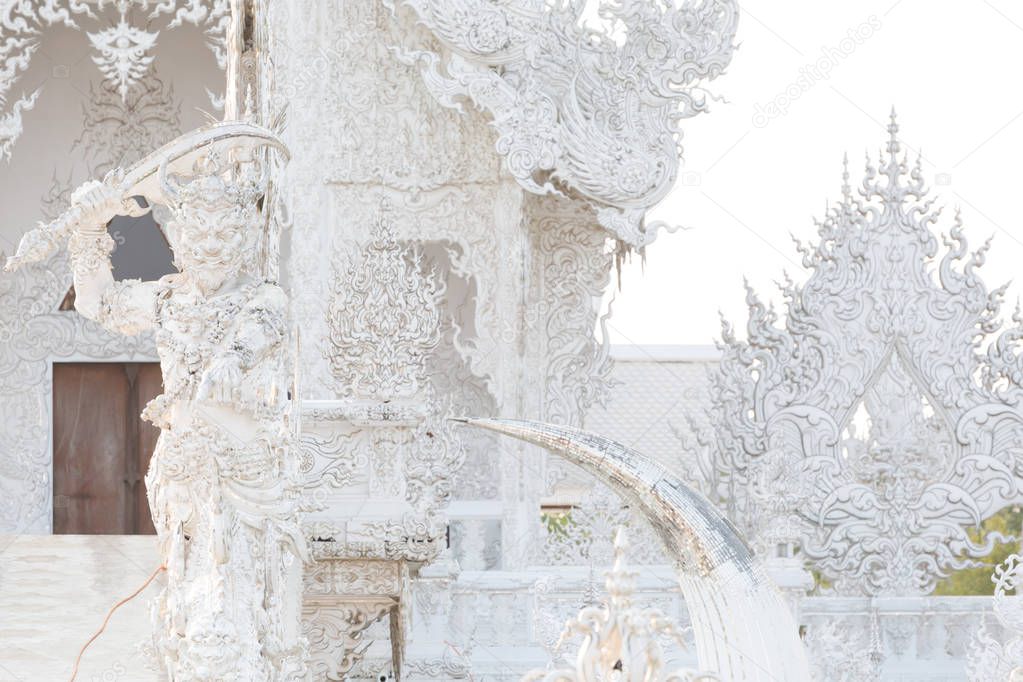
101,447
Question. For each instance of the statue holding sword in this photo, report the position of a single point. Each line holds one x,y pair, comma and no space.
223,483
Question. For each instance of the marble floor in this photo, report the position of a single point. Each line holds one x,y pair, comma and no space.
55,591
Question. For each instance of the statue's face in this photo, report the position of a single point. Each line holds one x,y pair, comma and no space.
215,220
212,243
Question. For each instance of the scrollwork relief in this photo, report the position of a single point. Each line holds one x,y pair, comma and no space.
123,53
384,320
335,635
587,106
999,656
873,430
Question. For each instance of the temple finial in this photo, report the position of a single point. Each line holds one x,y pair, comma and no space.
893,134
620,581
846,189
621,547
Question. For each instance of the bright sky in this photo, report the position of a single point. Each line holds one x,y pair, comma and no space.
950,69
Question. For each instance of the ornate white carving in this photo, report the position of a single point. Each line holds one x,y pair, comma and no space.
119,131
573,271
870,431
123,57
11,126
122,51
383,321
993,657
620,639
588,103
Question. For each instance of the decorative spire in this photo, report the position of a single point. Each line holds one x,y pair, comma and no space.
846,189
879,281
893,136
899,181
621,582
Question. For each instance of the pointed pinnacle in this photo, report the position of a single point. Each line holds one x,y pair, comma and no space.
846,189
893,135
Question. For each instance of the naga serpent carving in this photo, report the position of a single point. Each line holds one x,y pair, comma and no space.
743,628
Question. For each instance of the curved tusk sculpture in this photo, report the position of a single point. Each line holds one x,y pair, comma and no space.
743,627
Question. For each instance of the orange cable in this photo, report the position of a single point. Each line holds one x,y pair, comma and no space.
74,673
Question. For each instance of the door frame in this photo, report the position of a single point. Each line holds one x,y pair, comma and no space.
115,358
42,335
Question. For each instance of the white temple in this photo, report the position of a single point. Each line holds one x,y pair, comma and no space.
304,369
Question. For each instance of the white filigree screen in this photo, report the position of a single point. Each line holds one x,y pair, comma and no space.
881,423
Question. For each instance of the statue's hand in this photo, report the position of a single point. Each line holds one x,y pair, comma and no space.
221,383
35,245
95,204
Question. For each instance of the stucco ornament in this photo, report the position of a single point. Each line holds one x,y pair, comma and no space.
11,124
223,484
583,102
122,52
621,640
383,321
872,431
994,657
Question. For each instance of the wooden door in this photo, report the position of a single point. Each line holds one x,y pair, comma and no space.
101,448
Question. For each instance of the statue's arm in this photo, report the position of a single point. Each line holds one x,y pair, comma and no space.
127,307
259,332
261,328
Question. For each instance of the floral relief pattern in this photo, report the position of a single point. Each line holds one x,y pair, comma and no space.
873,430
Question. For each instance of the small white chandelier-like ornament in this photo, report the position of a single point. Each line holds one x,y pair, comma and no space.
621,641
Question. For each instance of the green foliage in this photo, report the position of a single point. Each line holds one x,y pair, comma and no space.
977,581
557,521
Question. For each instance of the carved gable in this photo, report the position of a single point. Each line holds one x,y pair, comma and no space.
873,430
